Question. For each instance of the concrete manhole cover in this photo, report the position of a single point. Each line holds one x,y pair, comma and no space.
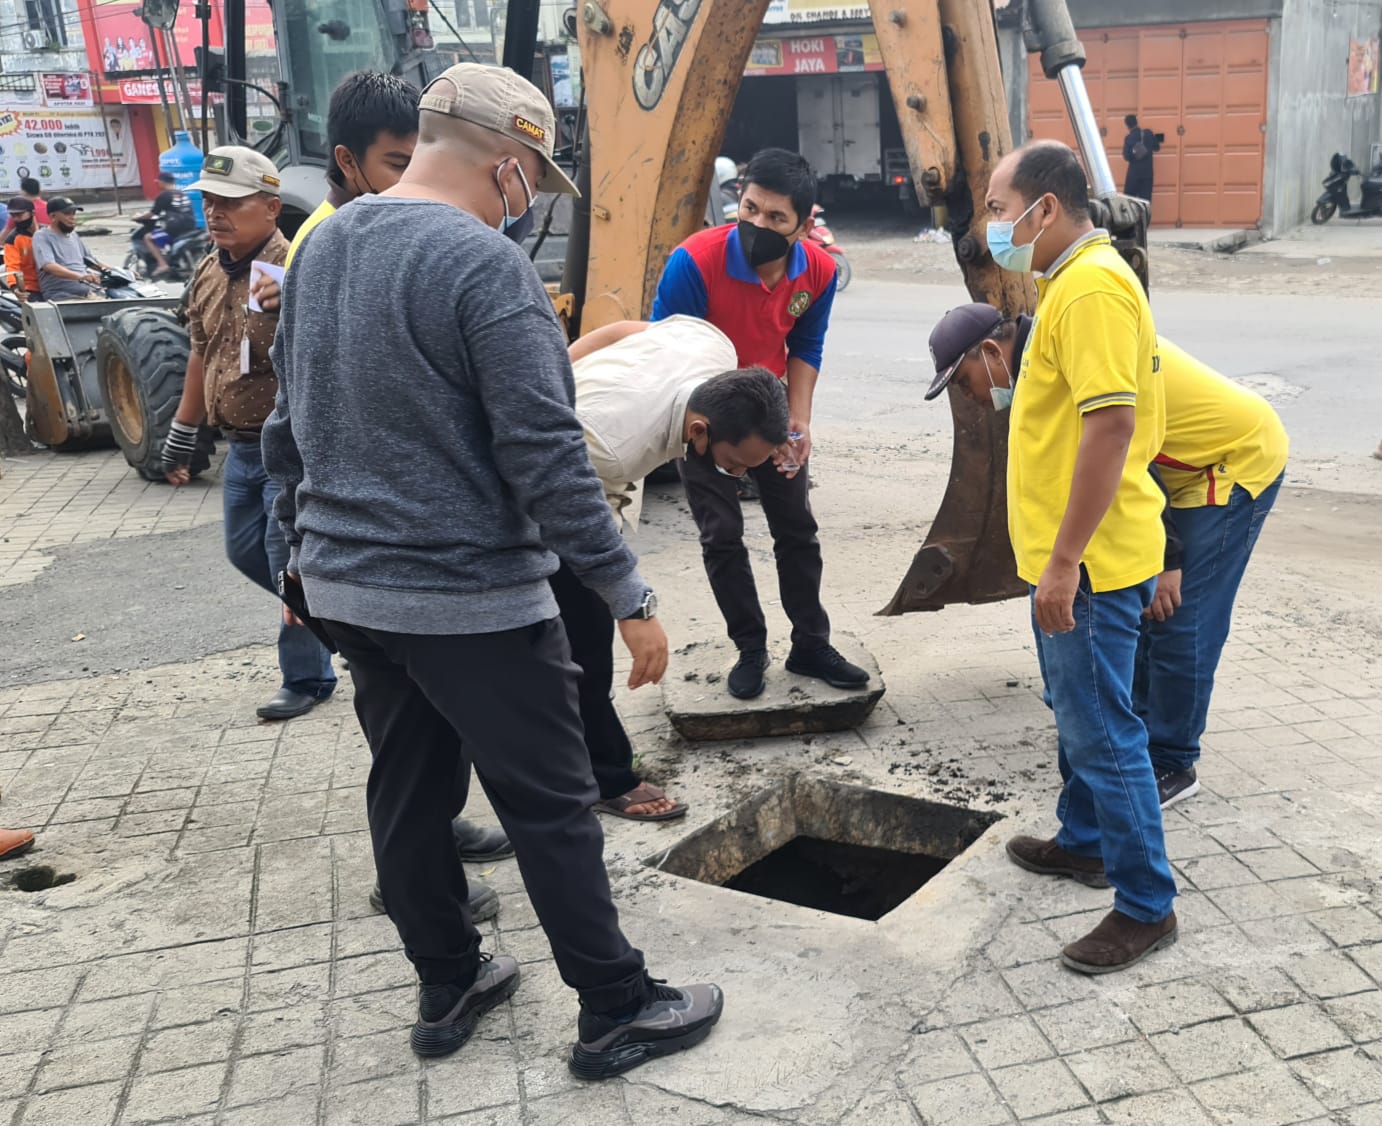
830,847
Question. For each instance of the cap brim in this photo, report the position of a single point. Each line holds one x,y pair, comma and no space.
554,181
942,380
222,189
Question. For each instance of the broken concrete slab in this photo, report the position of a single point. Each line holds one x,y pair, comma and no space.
700,707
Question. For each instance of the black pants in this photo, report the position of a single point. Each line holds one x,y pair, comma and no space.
504,703
590,631
714,501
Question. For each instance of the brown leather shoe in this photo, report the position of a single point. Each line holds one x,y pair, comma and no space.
15,842
1047,858
1117,943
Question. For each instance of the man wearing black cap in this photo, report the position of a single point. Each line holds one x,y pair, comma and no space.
21,275
60,255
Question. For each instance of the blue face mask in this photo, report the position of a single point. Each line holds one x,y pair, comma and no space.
999,235
1002,396
517,227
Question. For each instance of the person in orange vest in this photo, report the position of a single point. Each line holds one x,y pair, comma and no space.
21,274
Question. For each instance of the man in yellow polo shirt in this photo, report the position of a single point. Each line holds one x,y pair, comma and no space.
1084,516
1221,464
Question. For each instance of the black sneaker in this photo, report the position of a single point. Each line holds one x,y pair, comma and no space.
478,845
1176,785
447,1014
746,678
747,488
828,665
671,1020
483,900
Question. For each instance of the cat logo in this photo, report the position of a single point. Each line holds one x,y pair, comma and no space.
526,127
801,301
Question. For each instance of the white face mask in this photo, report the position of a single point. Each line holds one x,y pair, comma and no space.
1002,396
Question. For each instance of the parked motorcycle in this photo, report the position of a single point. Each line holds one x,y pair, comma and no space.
183,253
1335,200
823,235
13,348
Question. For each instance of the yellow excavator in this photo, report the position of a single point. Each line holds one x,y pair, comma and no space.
660,80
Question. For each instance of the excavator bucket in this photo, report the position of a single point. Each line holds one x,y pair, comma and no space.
966,556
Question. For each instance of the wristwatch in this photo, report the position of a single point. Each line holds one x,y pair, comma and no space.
645,611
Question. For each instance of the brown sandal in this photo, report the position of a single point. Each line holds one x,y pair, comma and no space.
641,794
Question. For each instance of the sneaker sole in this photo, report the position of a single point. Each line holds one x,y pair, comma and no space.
435,1041
846,685
585,1064
488,909
1085,968
1189,792
1089,879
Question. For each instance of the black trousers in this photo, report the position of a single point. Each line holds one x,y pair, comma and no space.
590,631
504,703
714,501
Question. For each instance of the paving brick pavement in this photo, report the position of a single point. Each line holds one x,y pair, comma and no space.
216,961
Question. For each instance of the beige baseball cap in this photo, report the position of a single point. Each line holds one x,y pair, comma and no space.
234,171
497,99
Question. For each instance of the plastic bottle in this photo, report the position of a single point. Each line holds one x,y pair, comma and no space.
184,161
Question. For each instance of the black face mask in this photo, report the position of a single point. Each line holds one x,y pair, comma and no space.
239,267
762,244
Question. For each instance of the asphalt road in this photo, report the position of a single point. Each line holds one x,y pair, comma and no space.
173,597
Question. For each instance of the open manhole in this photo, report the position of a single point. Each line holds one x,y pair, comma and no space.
819,844
41,877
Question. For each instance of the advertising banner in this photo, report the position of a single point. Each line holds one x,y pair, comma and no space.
815,54
814,11
65,149
66,91
144,91
123,39
1362,67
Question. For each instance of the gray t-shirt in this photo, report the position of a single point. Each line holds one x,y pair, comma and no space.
65,250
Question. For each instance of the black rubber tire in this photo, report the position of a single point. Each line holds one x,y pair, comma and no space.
13,368
153,348
1323,213
844,273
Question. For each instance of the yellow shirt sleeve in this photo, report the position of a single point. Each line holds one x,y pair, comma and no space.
1091,340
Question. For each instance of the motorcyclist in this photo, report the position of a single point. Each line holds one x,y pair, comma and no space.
171,210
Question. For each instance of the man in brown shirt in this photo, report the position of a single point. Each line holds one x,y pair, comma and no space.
231,384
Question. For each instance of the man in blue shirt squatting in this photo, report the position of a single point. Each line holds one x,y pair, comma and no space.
767,287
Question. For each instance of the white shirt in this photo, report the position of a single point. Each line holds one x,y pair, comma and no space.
631,398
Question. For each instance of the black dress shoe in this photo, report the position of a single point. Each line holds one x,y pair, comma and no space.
483,901
826,664
286,704
746,678
478,845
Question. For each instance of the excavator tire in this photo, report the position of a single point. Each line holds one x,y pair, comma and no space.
141,358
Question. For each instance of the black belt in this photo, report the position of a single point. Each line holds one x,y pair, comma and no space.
247,436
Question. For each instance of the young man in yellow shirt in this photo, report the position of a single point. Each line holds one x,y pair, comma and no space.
1221,464
1084,516
371,130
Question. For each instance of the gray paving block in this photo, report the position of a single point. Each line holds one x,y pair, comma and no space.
1081,1025
1177,1004
1121,1070
1297,1031
169,1094
1267,1096
1215,1048
1034,1089
1172,1108
1005,1041
1341,1079
1349,926
1359,1015
935,1055
1265,987
276,1076
965,1100
1327,975
92,1105
483,1074
395,1101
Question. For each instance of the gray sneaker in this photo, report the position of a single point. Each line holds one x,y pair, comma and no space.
447,1015
671,1020
483,901
1176,785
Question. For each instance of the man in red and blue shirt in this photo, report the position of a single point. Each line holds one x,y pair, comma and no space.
767,287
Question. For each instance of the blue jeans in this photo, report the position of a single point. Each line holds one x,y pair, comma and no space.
1109,805
256,547
1176,659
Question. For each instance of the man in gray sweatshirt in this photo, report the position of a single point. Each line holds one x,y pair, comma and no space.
430,456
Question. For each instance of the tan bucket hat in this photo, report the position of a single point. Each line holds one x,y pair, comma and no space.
234,171
497,99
